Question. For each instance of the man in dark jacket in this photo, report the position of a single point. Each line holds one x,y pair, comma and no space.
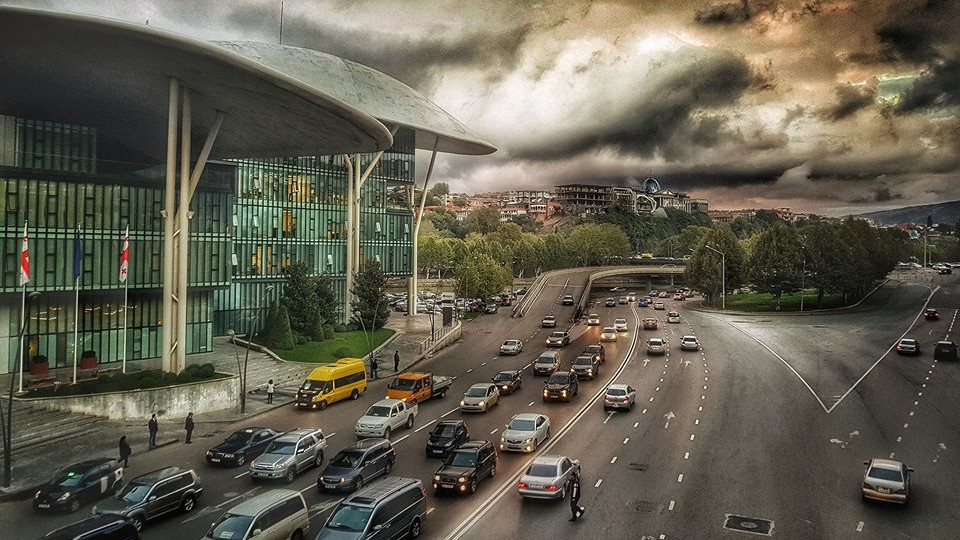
396,360
374,365
188,425
575,509
124,451
153,427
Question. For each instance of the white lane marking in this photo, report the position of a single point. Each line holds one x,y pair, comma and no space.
242,474
643,411
658,389
911,413
700,409
915,403
703,397
494,431
626,440
530,404
860,527
696,422
613,460
451,411
398,441
469,370
431,509
899,439
607,419
651,399
425,426
600,481
686,455
704,387
635,424
483,364
680,478
671,505
892,454
319,508
905,426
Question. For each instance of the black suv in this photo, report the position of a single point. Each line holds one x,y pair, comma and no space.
96,528
508,381
561,385
240,446
597,351
154,494
466,466
79,483
445,437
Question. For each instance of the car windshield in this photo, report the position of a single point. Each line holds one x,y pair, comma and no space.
476,391
506,377
556,335
462,459
281,447
593,349
549,318
67,478
616,392
238,437
620,321
594,316
655,342
545,360
608,330
133,493
230,526
542,469
674,314
402,384
885,474
445,430
522,425
346,460
349,518
583,361
558,378
379,411
511,343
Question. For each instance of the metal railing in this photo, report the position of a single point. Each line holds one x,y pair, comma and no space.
437,335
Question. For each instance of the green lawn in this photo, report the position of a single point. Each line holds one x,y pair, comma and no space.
788,302
324,352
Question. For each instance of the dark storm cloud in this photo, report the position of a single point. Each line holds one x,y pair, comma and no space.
881,194
909,40
850,99
936,89
723,13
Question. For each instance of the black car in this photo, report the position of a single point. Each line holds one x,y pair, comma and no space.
610,302
597,351
79,483
561,385
241,446
931,314
358,464
96,528
508,381
466,466
446,436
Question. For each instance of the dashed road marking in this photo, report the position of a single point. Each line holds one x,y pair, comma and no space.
892,454
401,439
643,411
451,411
696,422
626,440
530,404
671,505
469,370
613,460
599,481
425,426
680,478
651,399
686,455
860,527
692,436
899,439
494,431
635,424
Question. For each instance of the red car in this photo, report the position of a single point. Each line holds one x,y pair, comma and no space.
649,324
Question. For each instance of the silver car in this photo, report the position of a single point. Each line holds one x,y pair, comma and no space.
689,343
886,480
547,477
608,334
656,346
619,396
290,454
511,346
620,325
525,432
480,397
593,319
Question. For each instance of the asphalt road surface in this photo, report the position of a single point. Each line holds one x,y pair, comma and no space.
764,429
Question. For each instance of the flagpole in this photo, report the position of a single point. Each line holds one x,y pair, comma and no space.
24,275
126,288
23,321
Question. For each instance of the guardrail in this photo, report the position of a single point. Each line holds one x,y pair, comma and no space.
436,337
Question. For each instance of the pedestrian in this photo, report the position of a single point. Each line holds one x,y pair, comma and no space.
396,361
188,425
374,364
124,451
153,427
270,389
575,509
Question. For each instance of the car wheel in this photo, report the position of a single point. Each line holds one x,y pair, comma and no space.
137,522
188,504
322,405
386,433
415,528
493,470
354,394
116,487
241,459
74,505
319,461
291,475
410,422
387,468
359,483
297,535
473,487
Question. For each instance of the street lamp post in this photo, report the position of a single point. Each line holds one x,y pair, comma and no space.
8,431
803,280
723,275
240,370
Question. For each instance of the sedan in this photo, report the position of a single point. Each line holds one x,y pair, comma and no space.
608,334
620,325
662,294
593,319
678,296
491,308
79,483
508,381
547,477
480,397
622,300
610,302
673,317
445,437
689,343
656,346
649,323
658,305
632,297
597,351
241,446
931,315
586,365
568,299
549,321
525,432
908,346
619,396
643,302
561,385
558,339
511,346
886,480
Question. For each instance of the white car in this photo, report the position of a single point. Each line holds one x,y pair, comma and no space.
525,432
673,317
886,480
658,305
632,297
384,417
656,346
608,334
480,397
689,343
620,325
619,396
511,346
593,319
548,477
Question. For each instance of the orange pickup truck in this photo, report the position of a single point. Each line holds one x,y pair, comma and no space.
418,387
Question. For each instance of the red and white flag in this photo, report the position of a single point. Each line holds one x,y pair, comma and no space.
24,258
124,255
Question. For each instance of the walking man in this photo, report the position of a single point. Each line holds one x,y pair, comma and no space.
396,361
270,389
124,451
374,364
153,427
188,425
575,509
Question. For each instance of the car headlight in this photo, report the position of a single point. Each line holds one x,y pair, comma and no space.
65,496
462,403
36,495
564,392
209,453
481,403
504,387
228,456
462,480
528,441
436,478
545,392
589,371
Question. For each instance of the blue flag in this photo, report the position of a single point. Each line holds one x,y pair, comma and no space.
77,255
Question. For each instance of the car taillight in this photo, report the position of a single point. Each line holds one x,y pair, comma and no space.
867,486
901,492
521,485
552,488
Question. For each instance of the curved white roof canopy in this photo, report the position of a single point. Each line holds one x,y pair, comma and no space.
369,90
115,76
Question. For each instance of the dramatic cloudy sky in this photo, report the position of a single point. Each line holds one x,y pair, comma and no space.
829,106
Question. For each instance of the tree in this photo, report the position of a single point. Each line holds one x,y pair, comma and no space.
704,269
483,220
440,188
370,311
309,300
556,252
526,223
445,222
828,261
481,276
776,261
276,333
460,201
593,243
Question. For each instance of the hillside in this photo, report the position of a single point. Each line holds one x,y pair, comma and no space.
947,212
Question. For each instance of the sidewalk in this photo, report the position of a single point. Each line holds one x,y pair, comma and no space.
31,468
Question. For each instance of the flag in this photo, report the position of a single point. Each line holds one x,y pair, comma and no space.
24,258
77,255
124,255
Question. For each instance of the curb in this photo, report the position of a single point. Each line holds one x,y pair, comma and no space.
700,307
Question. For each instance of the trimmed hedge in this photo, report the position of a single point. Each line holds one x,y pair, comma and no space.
140,380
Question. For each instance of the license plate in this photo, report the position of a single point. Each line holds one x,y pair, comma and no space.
436,451
446,486
215,459
884,490
329,486
43,505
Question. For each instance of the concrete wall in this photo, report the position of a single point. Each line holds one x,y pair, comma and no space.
177,400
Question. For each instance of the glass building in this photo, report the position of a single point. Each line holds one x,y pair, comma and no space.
251,218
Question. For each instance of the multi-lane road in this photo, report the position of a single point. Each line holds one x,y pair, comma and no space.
764,429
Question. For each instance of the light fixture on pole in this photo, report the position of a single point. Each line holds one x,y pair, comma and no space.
723,275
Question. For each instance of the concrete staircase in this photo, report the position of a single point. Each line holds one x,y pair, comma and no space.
34,428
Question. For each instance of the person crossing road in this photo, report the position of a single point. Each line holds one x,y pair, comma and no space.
576,510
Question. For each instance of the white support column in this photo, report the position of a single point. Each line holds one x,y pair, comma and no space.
169,213
348,296
183,236
357,197
412,293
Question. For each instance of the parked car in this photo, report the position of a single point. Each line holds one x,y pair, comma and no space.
396,504
610,302
593,319
908,346
290,454
357,464
521,291
945,351
511,346
649,323
480,397
508,381
561,385
656,346
547,477
549,321
465,467
619,396
154,494
278,513
931,315
386,416
689,343
96,528
620,325
240,446
673,317
546,363
79,483
608,334
445,437
886,480
490,308
586,365
525,432
597,351
568,300
678,296
558,339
